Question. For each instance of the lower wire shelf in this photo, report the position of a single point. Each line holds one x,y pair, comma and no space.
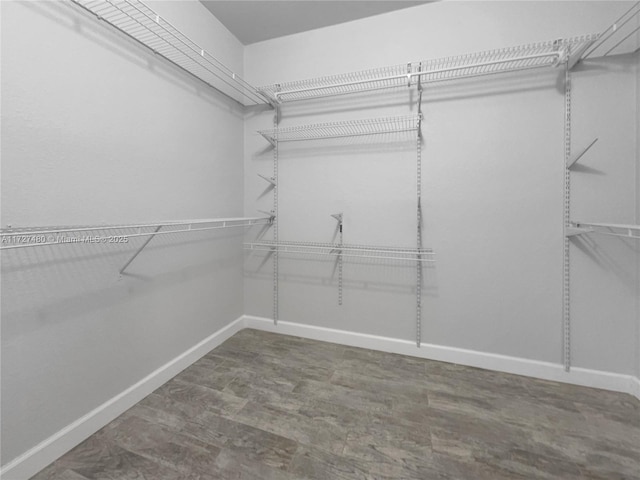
612,229
345,250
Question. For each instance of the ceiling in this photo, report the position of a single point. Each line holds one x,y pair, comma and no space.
252,21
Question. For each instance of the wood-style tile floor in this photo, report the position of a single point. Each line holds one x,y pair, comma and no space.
272,407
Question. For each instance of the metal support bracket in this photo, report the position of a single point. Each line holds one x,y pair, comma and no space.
274,217
271,180
574,158
271,214
568,228
419,215
574,231
338,217
142,247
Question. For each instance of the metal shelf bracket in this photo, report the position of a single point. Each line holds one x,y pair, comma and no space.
270,180
574,158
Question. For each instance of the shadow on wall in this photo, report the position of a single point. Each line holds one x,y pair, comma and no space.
601,66
52,284
72,17
598,251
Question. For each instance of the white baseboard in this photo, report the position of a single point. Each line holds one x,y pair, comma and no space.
635,387
35,459
490,361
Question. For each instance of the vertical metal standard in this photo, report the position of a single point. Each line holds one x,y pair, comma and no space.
566,266
419,217
276,121
338,217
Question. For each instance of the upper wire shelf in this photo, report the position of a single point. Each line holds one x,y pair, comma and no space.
345,250
11,238
141,23
491,62
618,38
351,128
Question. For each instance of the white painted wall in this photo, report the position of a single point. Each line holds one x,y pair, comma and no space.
493,186
95,129
638,205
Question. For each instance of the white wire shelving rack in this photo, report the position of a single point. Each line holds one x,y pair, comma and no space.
139,22
618,38
425,255
611,229
351,128
491,62
30,237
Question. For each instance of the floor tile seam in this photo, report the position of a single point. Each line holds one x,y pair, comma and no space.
159,461
190,383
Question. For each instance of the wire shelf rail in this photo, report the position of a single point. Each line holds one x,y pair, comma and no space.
525,57
11,238
358,251
141,23
612,229
352,128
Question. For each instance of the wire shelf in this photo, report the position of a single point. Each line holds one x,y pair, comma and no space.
24,237
141,23
352,128
524,57
618,37
345,250
612,229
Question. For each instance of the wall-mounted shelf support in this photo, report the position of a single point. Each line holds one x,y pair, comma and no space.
575,231
566,261
338,217
574,158
270,180
271,214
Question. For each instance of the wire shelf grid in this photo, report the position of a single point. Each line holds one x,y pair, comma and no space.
11,238
352,128
359,251
138,21
615,38
490,62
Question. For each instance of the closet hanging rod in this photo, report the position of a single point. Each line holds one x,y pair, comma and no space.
137,21
45,236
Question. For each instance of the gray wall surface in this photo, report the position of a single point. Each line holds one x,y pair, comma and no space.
96,130
492,187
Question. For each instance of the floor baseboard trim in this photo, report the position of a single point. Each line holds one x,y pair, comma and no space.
490,361
37,458
635,387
